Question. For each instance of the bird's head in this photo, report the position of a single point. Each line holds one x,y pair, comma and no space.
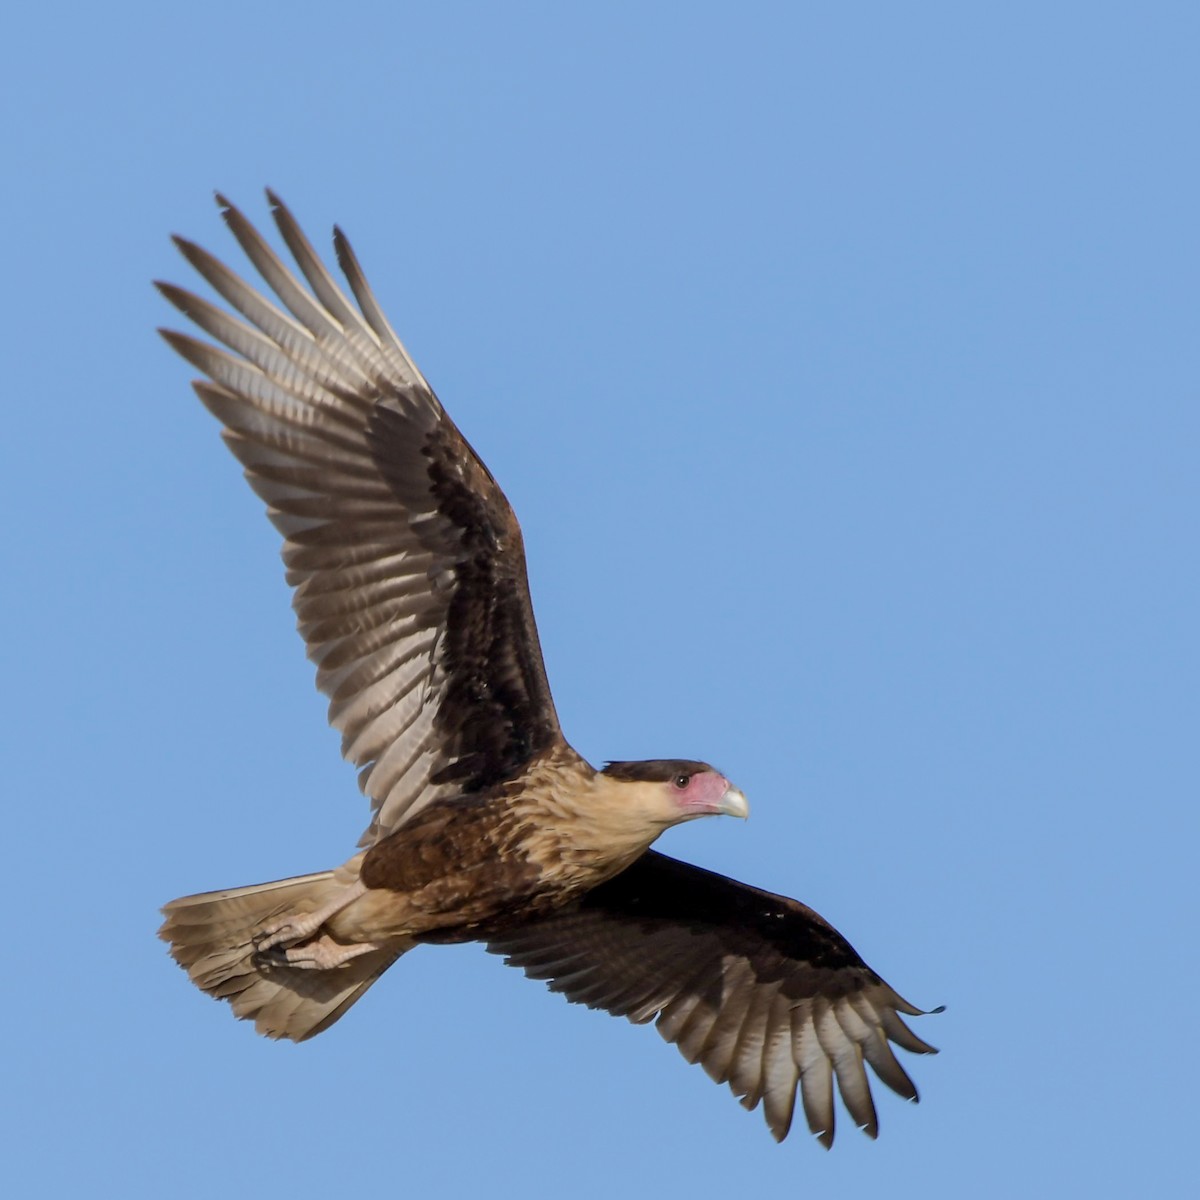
669,790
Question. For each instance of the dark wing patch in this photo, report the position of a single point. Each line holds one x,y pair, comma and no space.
406,559
761,991
496,713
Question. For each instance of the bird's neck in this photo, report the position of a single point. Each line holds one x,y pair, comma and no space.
581,825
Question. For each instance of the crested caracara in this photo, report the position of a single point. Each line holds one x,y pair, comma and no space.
410,592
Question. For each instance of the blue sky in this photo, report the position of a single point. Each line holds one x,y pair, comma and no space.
841,363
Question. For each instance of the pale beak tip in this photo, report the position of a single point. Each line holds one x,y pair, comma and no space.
734,804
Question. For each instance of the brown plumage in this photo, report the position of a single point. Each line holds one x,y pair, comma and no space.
410,590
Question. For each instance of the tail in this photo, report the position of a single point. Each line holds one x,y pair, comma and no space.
211,937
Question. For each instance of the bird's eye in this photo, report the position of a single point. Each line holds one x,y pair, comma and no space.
681,781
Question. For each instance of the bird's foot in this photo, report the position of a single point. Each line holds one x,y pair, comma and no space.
320,954
285,931
299,927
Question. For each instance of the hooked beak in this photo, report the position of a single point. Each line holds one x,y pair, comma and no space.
733,804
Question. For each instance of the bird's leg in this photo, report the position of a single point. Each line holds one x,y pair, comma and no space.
297,927
321,954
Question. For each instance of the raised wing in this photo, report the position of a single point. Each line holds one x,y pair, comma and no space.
760,990
406,559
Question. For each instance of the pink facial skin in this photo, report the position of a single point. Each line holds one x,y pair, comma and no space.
706,793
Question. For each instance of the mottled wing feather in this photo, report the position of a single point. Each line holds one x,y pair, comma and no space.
758,989
406,559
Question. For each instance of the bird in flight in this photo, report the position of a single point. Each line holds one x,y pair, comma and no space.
408,572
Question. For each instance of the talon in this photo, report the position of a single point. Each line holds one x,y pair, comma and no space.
271,956
277,932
